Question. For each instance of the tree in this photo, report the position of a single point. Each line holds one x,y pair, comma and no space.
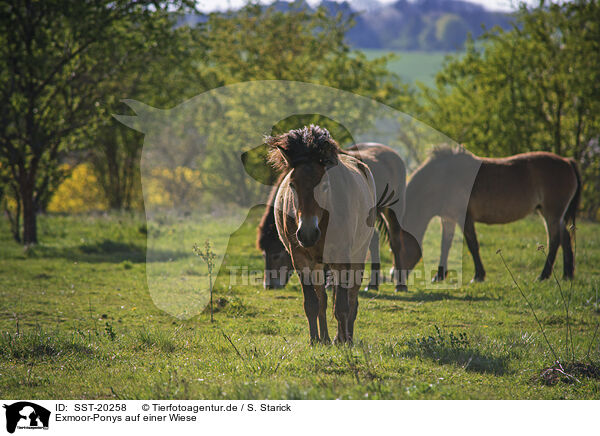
162,71
53,63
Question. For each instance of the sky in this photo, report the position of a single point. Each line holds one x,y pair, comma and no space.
495,5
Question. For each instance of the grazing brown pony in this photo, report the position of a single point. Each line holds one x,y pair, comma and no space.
389,172
324,213
504,190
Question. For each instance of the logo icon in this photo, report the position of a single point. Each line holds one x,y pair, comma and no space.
26,415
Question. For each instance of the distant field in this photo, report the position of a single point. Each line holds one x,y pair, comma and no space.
77,322
413,66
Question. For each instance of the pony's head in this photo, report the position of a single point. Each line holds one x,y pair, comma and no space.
306,154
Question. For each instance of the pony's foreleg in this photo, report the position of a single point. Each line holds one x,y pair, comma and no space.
322,296
375,263
471,237
447,237
311,305
340,309
553,227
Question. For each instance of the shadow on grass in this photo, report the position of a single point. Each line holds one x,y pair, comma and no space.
422,296
456,350
40,344
106,251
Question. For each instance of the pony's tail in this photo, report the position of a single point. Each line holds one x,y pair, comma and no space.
571,212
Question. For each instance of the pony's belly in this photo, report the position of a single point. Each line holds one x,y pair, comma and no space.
501,215
489,207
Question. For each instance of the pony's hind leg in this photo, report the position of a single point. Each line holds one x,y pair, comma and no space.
471,237
568,258
341,311
553,227
375,263
353,310
447,237
346,302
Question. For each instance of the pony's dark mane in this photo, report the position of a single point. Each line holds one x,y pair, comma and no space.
312,143
440,154
267,229
445,151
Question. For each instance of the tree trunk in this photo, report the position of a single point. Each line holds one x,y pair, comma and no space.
29,216
14,219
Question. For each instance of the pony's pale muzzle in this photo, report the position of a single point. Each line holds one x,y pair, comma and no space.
276,279
278,268
308,231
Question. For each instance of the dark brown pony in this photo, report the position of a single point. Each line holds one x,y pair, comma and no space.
504,190
389,172
324,214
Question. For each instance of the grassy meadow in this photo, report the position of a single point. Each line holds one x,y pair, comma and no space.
77,322
412,66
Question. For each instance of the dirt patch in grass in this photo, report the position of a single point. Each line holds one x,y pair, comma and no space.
569,373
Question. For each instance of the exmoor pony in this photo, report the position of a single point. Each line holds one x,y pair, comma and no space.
389,172
325,211
505,190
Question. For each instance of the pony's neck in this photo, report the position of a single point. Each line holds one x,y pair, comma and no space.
419,211
422,205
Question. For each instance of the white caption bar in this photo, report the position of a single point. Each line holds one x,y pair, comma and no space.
23,417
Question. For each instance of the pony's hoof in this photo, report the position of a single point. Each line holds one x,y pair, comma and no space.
401,288
477,279
543,277
326,340
338,341
371,288
440,275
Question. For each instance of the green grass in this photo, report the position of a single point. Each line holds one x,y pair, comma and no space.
412,66
77,321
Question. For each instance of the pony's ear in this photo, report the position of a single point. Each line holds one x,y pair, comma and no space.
330,161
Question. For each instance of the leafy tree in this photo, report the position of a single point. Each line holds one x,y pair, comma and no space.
53,62
253,43
163,69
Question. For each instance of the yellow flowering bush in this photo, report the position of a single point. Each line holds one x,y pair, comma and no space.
78,193
172,188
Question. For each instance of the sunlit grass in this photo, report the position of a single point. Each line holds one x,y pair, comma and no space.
77,321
